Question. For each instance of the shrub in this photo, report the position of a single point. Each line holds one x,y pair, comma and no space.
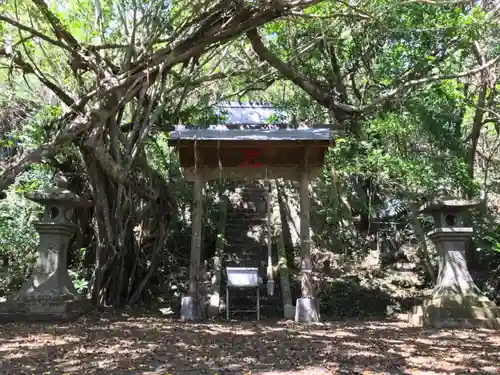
18,240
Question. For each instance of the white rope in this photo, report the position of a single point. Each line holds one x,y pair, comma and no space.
270,281
195,150
219,161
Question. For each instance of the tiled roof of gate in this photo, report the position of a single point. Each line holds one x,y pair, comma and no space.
250,121
224,133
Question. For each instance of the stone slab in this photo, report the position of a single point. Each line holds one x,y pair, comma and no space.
213,308
420,320
43,310
458,300
190,309
289,311
307,310
456,312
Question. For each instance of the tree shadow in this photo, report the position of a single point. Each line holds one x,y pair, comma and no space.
146,344
347,298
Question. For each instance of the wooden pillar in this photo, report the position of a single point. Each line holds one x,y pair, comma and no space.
270,273
191,305
305,237
307,307
277,234
196,220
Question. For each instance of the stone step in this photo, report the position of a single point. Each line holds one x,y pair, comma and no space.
250,203
255,189
251,254
242,233
420,320
251,236
246,225
248,215
242,211
475,312
245,216
245,255
248,254
245,222
246,212
246,263
251,189
243,190
240,200
237,218
249,198
246,234
458,300
243,247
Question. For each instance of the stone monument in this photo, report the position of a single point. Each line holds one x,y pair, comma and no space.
456,301
49,293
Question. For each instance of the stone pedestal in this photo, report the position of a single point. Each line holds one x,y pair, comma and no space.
289,311
50,275
456,302
307,310
49,293
191,310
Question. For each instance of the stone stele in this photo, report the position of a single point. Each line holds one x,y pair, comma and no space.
456,301
49,293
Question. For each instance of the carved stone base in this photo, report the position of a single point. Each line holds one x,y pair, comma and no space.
42,309
190,309
213,308
456,311
307,310
289,311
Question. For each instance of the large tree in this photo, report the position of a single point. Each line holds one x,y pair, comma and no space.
354,60
118,69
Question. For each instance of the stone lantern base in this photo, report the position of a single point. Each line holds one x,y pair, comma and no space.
456,301
456,311
307,310
43,309
48,294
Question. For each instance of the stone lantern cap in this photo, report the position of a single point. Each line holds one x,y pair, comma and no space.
447,203
58,195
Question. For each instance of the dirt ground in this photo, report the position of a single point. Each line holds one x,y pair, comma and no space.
155,345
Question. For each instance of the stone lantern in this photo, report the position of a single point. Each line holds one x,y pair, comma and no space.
49,292
456,301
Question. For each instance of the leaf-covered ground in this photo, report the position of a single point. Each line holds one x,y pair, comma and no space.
155,345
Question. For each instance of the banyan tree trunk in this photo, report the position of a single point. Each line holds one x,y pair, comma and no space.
132,211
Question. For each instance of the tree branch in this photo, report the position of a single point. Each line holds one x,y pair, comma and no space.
117,90
29,69
35,33
434,78
318,93
57,25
